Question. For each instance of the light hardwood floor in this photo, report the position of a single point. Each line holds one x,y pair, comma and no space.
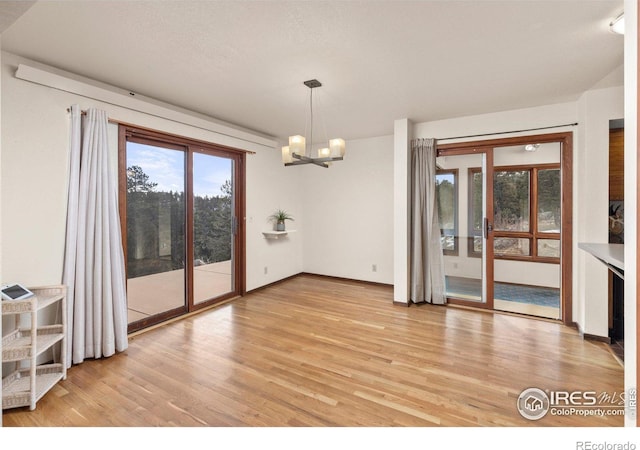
317,352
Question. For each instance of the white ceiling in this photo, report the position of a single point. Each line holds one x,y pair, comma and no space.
244,61
10,11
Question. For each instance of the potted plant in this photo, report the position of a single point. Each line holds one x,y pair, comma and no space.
279,217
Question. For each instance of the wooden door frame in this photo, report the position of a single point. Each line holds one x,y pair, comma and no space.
565,139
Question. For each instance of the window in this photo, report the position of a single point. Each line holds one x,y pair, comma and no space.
526,212
447,200
474,242
548,212
511,204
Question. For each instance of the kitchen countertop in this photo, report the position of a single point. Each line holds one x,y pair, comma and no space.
611,255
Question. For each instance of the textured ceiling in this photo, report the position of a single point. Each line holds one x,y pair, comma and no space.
244,62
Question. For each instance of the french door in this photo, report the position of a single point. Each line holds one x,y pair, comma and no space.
505,217
179,204
463,207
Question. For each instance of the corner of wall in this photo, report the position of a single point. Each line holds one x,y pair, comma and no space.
402,131
271,186
596,108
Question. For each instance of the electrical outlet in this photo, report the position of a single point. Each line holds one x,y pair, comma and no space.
374,267
455,265
266,270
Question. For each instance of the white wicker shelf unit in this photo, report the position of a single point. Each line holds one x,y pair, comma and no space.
29,382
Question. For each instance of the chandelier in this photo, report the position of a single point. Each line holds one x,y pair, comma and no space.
296,153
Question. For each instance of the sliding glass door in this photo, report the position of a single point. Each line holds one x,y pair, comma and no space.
155,230
180,203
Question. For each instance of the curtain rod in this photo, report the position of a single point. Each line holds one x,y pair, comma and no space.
508,132
119,122
84,113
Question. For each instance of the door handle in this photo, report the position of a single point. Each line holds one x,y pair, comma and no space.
234,225
488,227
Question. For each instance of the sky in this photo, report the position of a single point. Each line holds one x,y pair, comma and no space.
166,167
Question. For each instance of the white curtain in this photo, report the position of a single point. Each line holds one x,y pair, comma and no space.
94,259
427,262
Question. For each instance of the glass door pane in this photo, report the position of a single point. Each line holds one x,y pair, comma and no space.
460,191
155,231
213,227
527,200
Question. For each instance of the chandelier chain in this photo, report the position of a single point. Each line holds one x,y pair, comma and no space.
311,133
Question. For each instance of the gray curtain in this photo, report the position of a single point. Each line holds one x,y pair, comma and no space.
427,262
94,259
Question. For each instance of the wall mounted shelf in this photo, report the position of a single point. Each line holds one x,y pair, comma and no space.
276,234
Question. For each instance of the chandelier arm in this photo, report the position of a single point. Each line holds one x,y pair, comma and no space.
297,163
329,159
301,159
302,162
310,160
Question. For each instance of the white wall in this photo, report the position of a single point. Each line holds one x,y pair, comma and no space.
631,198
348,224
31,193
272,186
591,157
34,182
593,111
